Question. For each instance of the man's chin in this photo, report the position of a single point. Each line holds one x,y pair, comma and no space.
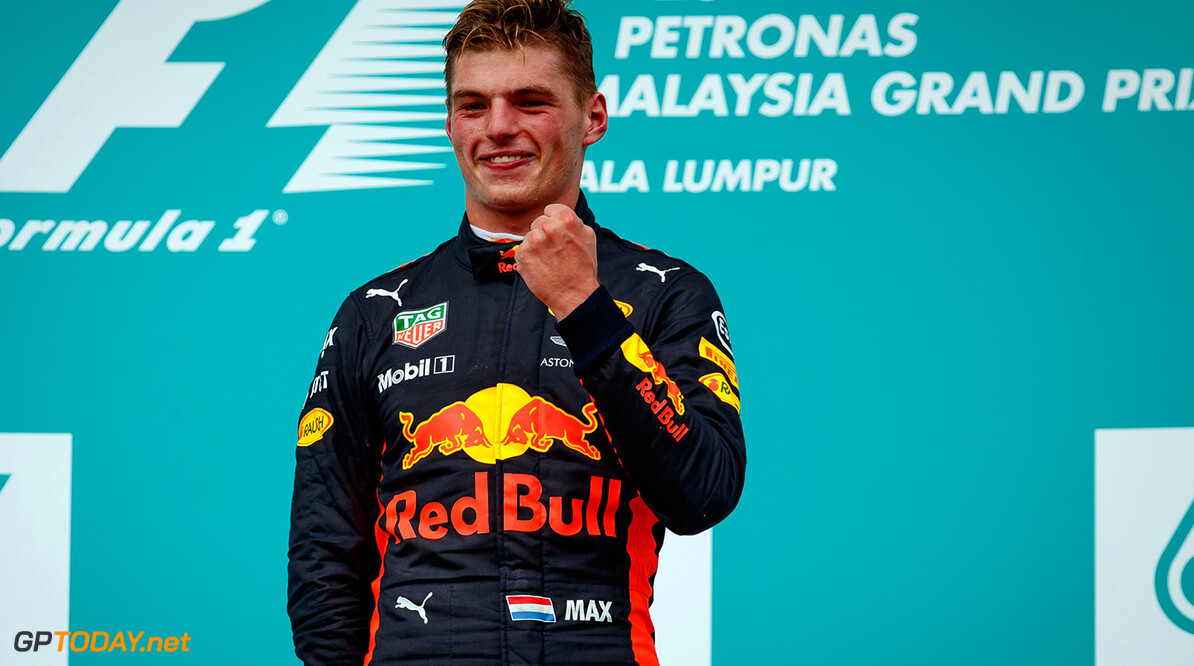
508,201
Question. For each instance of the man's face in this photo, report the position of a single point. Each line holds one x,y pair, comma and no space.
518,132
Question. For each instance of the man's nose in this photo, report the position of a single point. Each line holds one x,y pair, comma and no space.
503,120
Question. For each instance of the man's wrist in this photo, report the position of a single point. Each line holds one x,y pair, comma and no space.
594,329
574,299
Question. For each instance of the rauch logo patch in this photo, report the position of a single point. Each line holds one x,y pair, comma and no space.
313,425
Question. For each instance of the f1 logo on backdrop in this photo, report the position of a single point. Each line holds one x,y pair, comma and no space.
372,76
1144,547
109,86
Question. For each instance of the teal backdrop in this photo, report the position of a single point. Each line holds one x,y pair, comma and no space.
929,329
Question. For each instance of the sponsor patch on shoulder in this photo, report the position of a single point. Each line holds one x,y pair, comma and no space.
313,425
525,607
711,352
717,382
723,332
414,327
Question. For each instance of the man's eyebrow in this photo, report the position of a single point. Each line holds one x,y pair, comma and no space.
541,91
536,90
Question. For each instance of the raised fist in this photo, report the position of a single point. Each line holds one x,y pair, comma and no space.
558,259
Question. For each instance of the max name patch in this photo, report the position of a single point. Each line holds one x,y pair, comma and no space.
414,327
312,426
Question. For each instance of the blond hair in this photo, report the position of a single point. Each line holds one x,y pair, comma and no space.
490,25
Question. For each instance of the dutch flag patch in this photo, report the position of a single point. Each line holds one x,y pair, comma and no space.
524,607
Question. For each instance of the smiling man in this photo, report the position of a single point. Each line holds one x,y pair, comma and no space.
503,428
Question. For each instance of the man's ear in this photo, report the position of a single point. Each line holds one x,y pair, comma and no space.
598,119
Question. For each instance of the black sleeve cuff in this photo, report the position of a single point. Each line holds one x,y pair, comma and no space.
594,330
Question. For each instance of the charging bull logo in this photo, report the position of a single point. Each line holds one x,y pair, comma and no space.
639,355
524,422
506,261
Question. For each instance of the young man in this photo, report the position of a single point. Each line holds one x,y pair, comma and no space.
500,431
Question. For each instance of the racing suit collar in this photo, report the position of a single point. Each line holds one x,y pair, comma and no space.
488,260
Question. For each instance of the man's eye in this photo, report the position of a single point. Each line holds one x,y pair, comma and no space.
472,106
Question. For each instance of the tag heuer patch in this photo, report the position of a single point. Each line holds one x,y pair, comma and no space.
414,327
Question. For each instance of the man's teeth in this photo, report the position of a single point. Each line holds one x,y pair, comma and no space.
502,159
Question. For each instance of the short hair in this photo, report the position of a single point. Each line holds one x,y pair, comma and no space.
491,25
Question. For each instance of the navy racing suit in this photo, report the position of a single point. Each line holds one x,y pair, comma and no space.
479,484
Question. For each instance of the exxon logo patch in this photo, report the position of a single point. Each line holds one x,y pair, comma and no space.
373,85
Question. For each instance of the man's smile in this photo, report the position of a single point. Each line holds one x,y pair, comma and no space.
505,158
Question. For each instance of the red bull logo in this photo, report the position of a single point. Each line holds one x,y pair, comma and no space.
523,509
506,262
639,355
497,423
661,410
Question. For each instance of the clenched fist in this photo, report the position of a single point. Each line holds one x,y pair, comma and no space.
558,259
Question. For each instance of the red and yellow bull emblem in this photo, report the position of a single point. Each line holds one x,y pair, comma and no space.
506,262
313,425
497,423
639,355
717,382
